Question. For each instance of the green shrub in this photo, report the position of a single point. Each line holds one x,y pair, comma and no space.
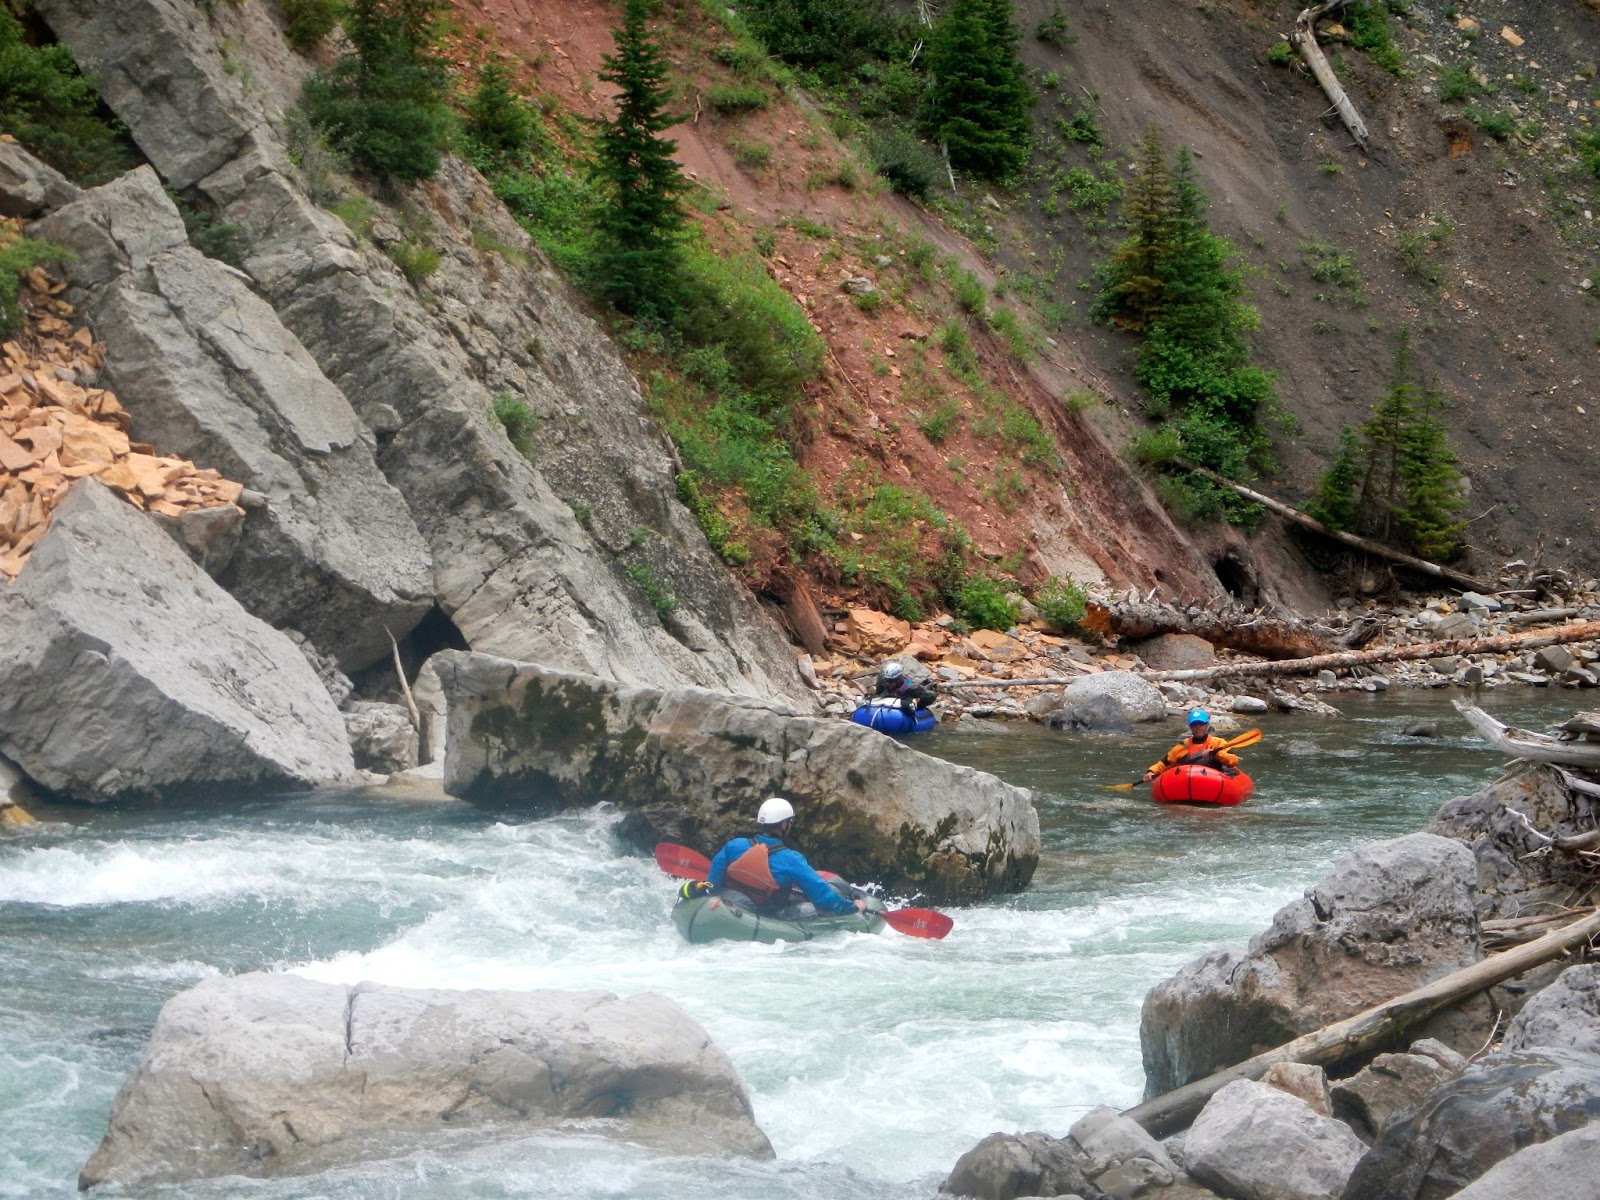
1062,603
54,111
731,98
18,256
1280,54
1052,28
1492,122
307,22
941,422
1457,83
654,588
969,292
752,156
983,604
219,240
517,419
911,167
1022,431
1081,126
1369,31
415,257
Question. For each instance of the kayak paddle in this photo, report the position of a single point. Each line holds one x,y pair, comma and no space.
1248,738
683,863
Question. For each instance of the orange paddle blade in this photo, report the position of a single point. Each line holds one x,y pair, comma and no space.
681,862
918,922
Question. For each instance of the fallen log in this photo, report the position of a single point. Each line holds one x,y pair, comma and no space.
1530,639
1036,681
1254,633
1305,39
1377,549
1357,1038
1520,743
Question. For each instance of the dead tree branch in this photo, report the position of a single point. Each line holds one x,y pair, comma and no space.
1305,39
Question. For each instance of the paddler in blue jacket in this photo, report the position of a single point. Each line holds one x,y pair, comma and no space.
771,873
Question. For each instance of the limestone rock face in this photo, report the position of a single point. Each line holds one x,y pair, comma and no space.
27,186
264,1074
207,371
531,556
1392,1087
1140,699
381,736
1567,1013
1387,918
692,766
125,670
1255,1142
1500,1104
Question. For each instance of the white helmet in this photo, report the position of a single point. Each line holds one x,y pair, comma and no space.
775,810
892,670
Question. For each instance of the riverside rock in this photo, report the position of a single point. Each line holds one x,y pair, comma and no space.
1500,1104
1393,1086
1140,700
515,569
1567,1013
1254,1142
206,370
125,670
264,1074
1387,918
1561,1169
692,766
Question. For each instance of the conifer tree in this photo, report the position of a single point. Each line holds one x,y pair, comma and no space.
978,96
383,105
497,117
640,225
1133,282
1335,501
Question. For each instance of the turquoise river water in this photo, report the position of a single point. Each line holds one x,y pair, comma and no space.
873,1062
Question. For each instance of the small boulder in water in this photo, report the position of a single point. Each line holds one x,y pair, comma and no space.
1097,714
1421,729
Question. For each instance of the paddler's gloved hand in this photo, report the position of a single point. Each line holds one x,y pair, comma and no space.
692,889
1148,776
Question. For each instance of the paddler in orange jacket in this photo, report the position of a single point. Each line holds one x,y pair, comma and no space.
1202,748
771,873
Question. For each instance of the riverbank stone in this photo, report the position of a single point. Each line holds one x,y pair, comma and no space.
1254,1142
266,1074
692,766
1499,1105
1567,1013
126,672
1561,1169
1388,918
1139,699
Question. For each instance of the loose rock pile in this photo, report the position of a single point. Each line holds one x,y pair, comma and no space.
57,428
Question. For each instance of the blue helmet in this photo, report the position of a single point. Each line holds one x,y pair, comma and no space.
1199,716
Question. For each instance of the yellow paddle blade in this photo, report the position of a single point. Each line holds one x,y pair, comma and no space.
1119,787
1248,738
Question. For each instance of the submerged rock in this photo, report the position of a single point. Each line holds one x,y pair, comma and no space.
692,766
125,670
265,1074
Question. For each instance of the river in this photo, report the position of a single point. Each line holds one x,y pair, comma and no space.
873,1062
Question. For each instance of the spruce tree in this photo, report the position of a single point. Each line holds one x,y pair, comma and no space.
498,119
1433,482
642,221
1133,284
383,104
1335,501
978,94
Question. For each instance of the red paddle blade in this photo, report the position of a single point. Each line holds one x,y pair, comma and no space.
681,862
830,876
918,922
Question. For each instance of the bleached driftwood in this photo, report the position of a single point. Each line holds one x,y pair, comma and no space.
1530,639
1254,633
1305,39
1305,521
1357,1038
1520,743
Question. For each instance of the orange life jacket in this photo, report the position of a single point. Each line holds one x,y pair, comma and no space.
751,873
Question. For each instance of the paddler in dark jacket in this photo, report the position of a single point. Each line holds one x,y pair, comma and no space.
771,873
913,697
1202,748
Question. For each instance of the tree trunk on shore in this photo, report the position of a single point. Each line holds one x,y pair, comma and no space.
1254,633
1305,37
1536,747
1531,639
1460,579
1355,1039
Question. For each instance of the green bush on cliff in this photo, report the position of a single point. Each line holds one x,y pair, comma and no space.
54,111
307,22
18,256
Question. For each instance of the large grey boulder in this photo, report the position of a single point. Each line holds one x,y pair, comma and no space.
1139,699
538,560
1564,1168
1388,918
125,670
27,186
1005,1166
263,1074
1254,1142
1511,881
1500,1104
692,766
207,371
1567,1013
